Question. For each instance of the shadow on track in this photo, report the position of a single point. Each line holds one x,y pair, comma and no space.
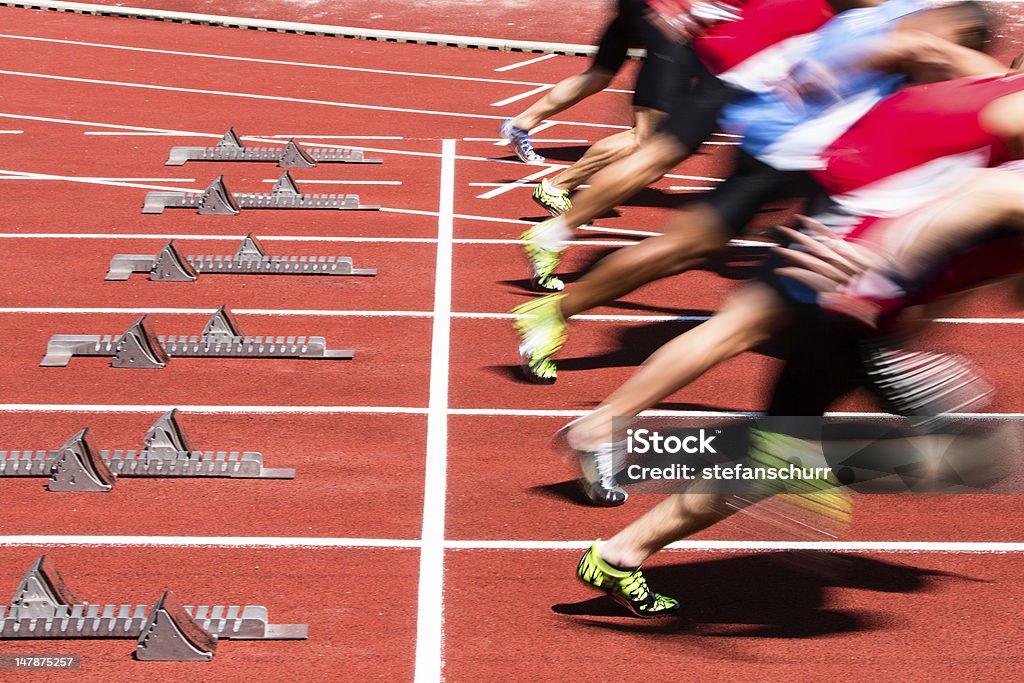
765,595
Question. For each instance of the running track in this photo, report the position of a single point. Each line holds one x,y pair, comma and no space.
429,531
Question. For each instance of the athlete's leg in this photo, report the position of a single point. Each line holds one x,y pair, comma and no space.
565,94
748,318
609,149
688,237
673,519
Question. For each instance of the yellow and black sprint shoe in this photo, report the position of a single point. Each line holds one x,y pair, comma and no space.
543,262
542,332
627,587
554,201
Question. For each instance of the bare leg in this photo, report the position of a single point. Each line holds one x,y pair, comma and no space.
674,518
565,94
689,236
610,149
749,317
624,178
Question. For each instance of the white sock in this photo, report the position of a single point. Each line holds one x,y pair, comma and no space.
551,233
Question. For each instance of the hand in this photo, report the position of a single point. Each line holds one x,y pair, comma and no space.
849,277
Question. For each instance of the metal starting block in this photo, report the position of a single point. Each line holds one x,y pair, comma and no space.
138,347
44,607
166,452
292,155
216,200
250,259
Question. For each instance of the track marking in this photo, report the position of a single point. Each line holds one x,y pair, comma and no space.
983,547
413,410
430,601
521,96
499,141
380,150
24,175
286,238
11,132
519,65
460,315
320,29
334,137
340,181
505,187
276,62
32,176
276,98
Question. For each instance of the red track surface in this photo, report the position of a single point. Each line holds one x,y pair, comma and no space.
508,614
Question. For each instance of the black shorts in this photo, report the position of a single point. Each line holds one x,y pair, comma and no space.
752,185
660,78
822,364
695,105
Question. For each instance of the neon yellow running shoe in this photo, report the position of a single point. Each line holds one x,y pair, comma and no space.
628,588
554,201
543,262
542,331
820,496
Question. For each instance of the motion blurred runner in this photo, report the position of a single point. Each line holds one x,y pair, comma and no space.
858,58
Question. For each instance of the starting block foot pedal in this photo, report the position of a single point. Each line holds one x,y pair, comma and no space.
216,200
43,607
42,591
250,259
172,635
166,452
79,468
139,348
292,155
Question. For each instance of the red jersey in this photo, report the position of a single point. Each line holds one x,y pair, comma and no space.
764,23
911,132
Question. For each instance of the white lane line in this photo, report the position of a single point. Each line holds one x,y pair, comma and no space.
380,150
93,181
413,410
340,181
968,547
461,315
211,410
11,132
767,546
518,65
275,98
687,188
499,141
236,238
333,137
521,96
430,602
36,176
130,133
313,313
505,187
286,238
277,62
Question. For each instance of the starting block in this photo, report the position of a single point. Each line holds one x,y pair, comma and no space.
44,607
250,259
166,452
139,347
292,155
216,200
